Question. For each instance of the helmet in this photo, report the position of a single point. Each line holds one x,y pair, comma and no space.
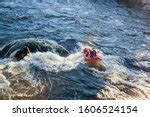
85,50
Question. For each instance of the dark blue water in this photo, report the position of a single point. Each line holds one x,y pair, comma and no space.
41,44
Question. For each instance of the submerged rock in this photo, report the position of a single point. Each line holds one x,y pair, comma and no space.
20,48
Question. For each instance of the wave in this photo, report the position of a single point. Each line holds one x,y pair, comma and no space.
20,48
36,75
122,82
38,61
140,61
126,86
30,78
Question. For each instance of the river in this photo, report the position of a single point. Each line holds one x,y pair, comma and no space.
41,43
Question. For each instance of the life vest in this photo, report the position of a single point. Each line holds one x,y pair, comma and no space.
92,53
95,53
86,52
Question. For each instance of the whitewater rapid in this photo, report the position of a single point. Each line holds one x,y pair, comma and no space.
20,80
41,44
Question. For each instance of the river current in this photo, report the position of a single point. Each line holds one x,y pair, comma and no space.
41,43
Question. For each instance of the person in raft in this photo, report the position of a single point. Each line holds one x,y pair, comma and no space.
90,53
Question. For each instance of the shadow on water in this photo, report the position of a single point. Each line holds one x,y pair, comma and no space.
143,4
76,84
129,3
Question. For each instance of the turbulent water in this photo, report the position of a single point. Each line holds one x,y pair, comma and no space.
41,43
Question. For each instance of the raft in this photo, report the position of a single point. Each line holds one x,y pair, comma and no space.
93,59
94,62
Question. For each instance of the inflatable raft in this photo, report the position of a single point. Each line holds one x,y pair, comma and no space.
89,59
94,59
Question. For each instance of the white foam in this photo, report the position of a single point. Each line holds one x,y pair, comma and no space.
53,62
